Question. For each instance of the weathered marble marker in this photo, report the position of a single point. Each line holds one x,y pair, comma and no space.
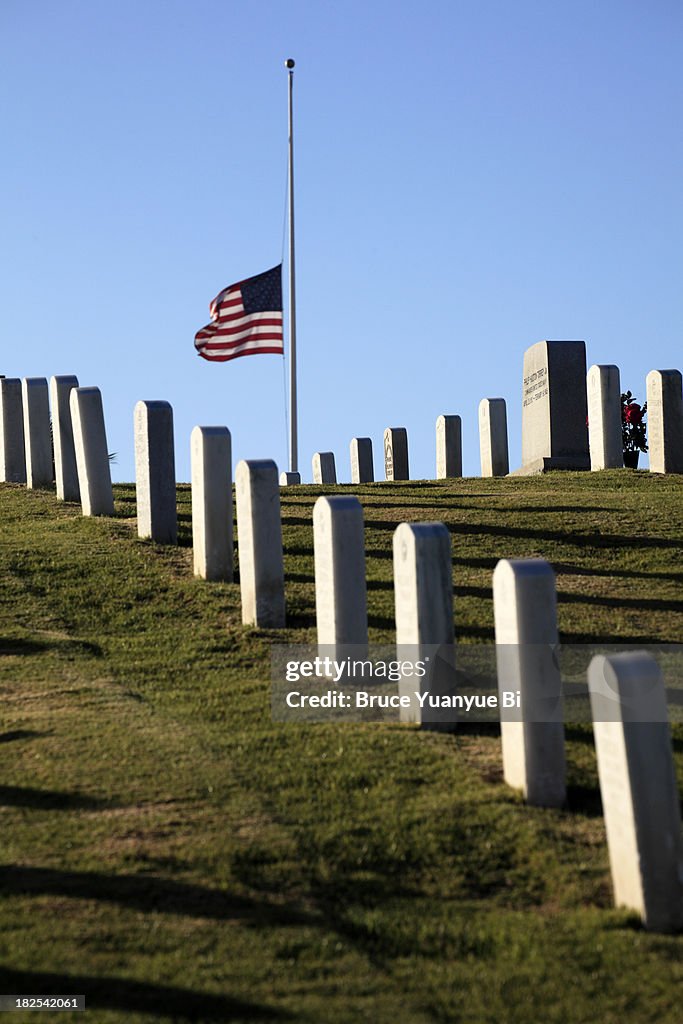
448,447
259,537
324,469
665,421
211,458
289,479
554,408
604,417
423,591
362,468
155,482
340,587
92,454
396,454
37,437
493,437
525,613
66,472
638,787
12,446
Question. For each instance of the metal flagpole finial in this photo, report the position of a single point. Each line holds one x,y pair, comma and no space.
289,63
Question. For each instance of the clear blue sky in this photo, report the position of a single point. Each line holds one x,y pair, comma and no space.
471,177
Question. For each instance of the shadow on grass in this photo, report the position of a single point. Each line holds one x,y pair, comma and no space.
21,734
583,540
49,799
130,996
149,894
584,800
18,646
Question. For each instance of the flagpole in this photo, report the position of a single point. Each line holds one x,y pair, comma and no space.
293,424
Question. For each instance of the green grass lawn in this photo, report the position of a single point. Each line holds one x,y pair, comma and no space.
172,853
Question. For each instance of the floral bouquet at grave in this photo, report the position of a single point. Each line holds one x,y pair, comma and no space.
633,427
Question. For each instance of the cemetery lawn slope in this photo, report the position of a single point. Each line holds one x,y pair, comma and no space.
173,854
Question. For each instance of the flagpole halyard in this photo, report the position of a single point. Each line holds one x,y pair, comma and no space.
293,419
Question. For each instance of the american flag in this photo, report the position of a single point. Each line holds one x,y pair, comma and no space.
246,318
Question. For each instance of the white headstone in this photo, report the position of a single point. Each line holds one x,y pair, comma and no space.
12,448
340,588
362,468
92,455
66,473
396,454
288,479
525,613
638,787
259,536
554,407
423,591
665,421
448,447
493,437
155,482
211,457
604,417
324,469
37,438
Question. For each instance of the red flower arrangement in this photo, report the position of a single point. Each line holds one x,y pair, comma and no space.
633,427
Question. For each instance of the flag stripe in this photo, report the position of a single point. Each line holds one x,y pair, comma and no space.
250,338
241,328
238,321
235,355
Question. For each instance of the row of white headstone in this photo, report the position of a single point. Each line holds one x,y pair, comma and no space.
572,419
634,749
664,393
66,447
628,697
493,445
542,432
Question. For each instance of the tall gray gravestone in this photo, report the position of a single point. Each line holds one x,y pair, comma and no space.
211,459
362,467
638,787
340,587
396,454
665,421
423,592
12,446
259,539
37,437
604,417
92,455
324,469
448,447
493,437
155,483
527,643
554,408
66,473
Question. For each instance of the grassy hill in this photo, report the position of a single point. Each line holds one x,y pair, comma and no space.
173,854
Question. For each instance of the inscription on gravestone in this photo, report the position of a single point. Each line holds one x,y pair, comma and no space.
396,453
554,407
